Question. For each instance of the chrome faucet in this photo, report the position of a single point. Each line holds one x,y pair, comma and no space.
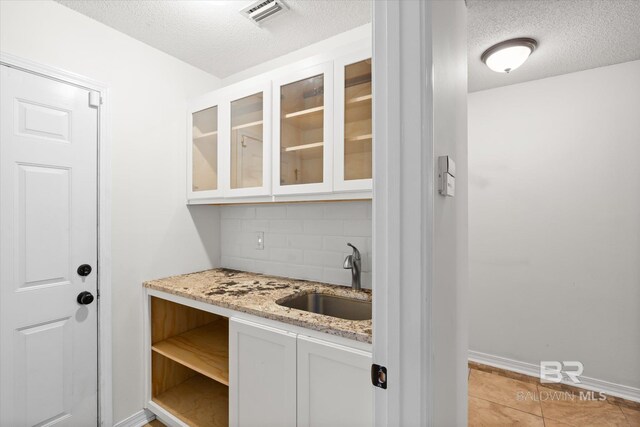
354,263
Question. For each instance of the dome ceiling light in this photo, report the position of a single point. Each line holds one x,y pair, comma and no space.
508,55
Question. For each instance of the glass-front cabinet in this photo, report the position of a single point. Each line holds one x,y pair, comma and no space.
203,155
303,133
296,134
353,143
249,141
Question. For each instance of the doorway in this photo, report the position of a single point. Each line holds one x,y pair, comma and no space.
49,255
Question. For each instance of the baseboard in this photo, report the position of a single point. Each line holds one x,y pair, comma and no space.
530,369
138,419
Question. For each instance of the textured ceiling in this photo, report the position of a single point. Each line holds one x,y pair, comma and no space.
213,36
573,35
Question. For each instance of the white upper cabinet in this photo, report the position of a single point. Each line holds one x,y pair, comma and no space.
353,140
303,131
294,134
203,153
249,144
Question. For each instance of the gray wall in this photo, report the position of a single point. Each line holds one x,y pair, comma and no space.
554,221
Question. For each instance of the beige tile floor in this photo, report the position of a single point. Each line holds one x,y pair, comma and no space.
495,400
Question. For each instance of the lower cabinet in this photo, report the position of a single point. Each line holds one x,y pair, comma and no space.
334,385
277,378
210,370
262,375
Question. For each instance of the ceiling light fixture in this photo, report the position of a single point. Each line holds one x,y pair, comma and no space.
508,55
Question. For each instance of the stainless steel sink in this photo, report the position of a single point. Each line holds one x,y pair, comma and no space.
330,305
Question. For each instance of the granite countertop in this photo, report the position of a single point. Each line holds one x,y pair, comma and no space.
257,294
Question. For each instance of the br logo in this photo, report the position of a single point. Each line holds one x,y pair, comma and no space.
553,371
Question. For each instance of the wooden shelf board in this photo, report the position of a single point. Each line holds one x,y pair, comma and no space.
197,401
358,99
304,146
206,135
304,112
247,125
359,138
204,349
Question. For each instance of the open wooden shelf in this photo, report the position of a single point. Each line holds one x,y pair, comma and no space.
198,401
204,349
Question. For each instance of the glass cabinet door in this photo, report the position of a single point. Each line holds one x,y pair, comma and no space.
354,150
304,132
204,154
247,115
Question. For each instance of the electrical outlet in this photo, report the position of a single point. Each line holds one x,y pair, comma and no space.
260,240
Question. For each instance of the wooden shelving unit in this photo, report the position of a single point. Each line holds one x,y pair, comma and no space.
190,363
204,349
310,118
205,135
198,401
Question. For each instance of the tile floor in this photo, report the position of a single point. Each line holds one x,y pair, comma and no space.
496,400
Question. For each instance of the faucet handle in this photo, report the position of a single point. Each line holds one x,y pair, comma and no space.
348,262
356,252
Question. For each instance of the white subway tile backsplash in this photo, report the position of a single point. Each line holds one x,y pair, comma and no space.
271,212
357,227
324,258
285,226
240,212
304,241
306,211
290,256
325,227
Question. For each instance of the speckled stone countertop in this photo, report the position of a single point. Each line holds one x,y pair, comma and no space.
257,294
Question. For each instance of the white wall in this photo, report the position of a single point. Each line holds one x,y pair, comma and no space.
154,233
303,241
554,221
449,295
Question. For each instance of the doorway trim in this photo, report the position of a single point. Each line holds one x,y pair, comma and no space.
105,403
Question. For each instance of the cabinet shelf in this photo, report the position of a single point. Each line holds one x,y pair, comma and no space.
359,138
197,401
304,146
247,125
304,112
204,349
358,99
311,118
205,135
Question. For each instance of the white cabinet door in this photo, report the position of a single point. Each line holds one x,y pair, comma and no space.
353,140
262,375
334,385
247,153
204,151
303,131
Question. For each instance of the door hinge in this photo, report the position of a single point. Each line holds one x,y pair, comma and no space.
95,100
379,376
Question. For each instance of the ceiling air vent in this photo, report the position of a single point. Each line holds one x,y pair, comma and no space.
262,10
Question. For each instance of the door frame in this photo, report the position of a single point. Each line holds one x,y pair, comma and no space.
105,404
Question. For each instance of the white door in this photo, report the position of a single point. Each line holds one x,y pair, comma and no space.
48,228
334,385
262,376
